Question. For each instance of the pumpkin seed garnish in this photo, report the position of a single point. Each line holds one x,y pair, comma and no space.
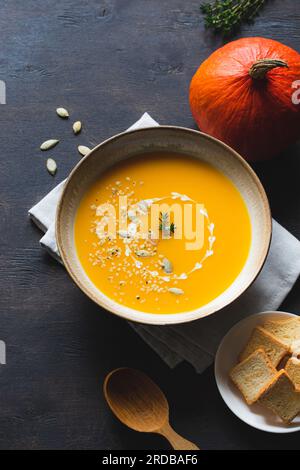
49,144
176,290
83,150
77,127
62,112
167,266
51,166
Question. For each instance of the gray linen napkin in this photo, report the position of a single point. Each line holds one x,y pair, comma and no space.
197,342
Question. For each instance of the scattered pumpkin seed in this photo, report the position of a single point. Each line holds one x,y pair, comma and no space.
62,112
83,150
77,127
51,166
176,291
167,266
49,144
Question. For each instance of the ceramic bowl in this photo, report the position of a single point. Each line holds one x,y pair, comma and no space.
257,416
180,141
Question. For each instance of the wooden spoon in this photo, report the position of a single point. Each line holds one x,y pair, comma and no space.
141,405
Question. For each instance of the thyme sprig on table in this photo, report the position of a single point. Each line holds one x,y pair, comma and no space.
226,16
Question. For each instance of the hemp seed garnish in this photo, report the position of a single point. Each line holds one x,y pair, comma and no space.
62,112
51,166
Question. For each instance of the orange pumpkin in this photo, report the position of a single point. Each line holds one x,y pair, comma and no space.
242,95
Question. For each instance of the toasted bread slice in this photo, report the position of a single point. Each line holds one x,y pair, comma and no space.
262,339
285,331
293,370
282,398
253,375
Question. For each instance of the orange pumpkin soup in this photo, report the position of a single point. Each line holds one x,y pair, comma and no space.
162,233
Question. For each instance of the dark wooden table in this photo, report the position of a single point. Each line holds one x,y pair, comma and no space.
107,61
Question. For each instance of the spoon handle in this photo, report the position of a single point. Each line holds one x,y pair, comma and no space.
177,442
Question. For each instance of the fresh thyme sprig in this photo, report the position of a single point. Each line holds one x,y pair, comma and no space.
226,16
164,224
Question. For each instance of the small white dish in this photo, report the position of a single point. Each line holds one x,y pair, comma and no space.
232,344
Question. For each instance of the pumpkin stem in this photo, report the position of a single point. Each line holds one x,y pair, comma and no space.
259,69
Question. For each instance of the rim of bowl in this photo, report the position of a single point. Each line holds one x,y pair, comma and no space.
168,318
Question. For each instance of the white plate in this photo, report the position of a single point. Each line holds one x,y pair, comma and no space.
232,344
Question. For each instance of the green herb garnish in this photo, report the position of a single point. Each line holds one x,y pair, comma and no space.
226,16
164,223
